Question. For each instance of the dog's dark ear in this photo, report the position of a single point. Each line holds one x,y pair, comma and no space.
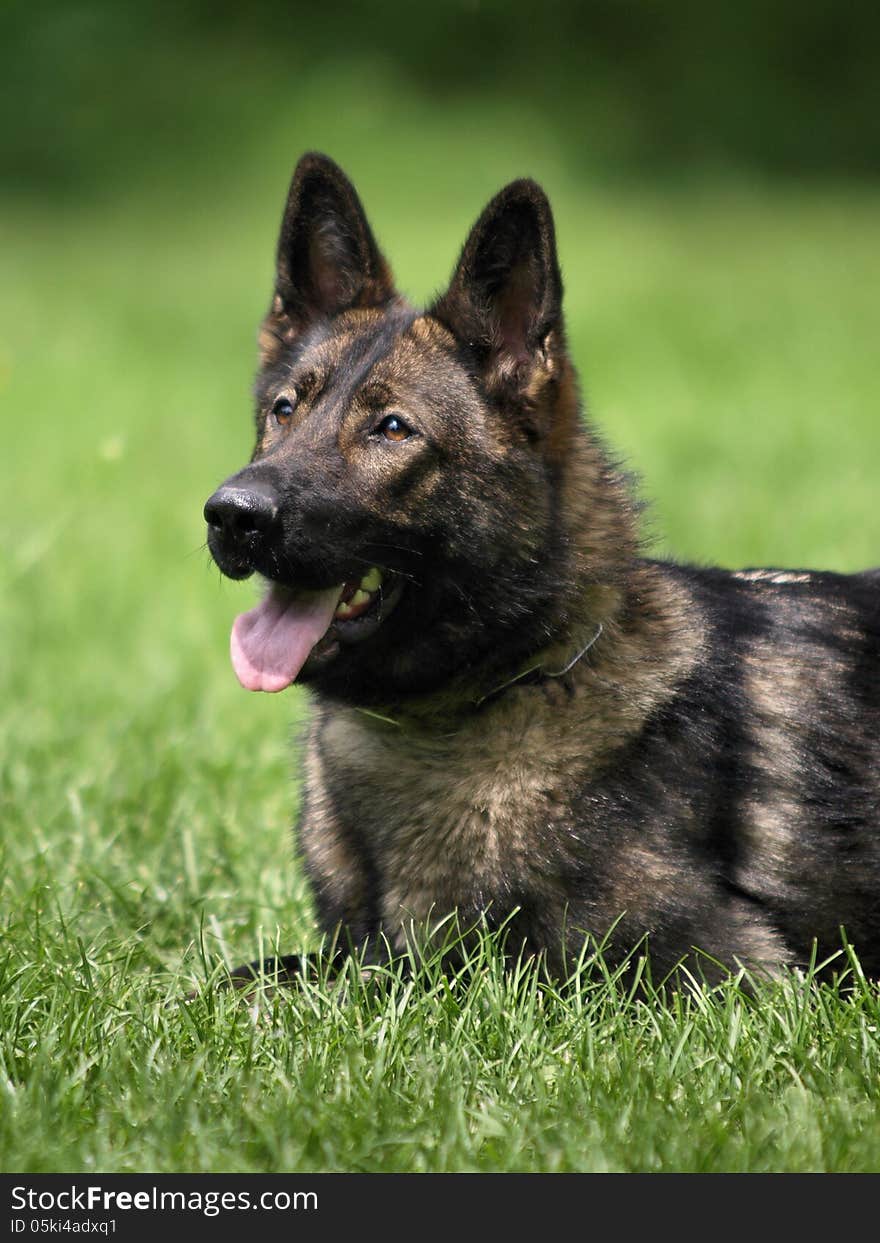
327,259
505,299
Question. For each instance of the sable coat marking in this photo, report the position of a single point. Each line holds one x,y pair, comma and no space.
516,715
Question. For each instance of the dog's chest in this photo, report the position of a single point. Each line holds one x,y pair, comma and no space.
466,821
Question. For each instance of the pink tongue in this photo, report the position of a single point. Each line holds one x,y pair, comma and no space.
270,644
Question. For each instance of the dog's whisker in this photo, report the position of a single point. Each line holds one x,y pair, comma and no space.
399,548
387,569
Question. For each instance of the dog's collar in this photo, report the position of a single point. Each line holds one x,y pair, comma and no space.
539,672
534,673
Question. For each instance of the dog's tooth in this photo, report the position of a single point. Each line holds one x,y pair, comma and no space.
342,610
359,597
372,580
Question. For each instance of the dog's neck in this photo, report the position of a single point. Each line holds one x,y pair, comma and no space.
623,668
535,673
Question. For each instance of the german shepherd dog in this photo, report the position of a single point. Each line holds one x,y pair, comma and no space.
518,718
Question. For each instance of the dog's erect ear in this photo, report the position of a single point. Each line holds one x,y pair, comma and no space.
505,299
327,259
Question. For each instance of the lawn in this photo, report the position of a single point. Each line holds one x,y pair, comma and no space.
727,336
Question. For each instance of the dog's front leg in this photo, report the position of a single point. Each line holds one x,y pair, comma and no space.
287,970
291,970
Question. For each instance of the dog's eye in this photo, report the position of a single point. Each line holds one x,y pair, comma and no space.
393,427
282,411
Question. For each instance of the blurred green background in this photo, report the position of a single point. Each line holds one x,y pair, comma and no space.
714,173
713,169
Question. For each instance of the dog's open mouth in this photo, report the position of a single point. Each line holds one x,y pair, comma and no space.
271,643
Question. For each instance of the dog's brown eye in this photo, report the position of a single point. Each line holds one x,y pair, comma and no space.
393,428
282,411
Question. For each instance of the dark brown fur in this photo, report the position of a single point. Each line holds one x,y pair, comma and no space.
706,773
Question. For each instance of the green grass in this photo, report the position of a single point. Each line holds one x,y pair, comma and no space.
109,1068
727,339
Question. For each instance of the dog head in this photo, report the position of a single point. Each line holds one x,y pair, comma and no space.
403,498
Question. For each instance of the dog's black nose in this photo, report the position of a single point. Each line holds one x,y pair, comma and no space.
239,513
